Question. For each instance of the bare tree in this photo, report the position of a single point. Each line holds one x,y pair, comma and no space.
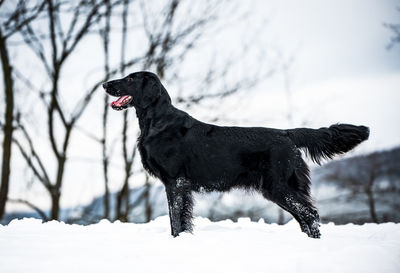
122,203
21,14
8,126
395,29
362,174
105,34
63,40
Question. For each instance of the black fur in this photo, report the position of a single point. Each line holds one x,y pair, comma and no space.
324,143
189,155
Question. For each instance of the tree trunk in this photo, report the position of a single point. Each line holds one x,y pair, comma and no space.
281,217
106,39
55,204
147,204
8,126
370,194
56,189
105,161
371,205
122,196
106,191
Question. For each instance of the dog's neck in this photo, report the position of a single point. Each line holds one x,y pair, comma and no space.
154,113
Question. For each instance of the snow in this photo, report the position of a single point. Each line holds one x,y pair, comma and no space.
29,246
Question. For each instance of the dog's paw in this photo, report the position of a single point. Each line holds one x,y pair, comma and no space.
314,230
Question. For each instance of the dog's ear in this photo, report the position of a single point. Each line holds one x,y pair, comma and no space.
151,90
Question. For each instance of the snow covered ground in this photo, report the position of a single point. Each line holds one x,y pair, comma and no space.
30,246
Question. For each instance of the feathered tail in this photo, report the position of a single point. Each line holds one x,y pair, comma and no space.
324,143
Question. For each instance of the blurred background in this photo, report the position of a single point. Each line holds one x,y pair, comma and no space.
65,155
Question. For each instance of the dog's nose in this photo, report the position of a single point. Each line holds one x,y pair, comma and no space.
105,85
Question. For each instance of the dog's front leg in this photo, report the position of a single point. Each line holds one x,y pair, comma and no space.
175,201
180,206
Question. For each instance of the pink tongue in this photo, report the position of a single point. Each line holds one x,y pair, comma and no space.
121,101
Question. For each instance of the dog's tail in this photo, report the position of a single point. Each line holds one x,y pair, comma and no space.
324,143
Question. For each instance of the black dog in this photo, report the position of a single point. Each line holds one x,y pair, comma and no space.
189,155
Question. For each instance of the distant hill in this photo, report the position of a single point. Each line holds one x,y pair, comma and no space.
365,188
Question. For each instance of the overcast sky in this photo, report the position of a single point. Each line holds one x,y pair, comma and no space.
333,39
337,46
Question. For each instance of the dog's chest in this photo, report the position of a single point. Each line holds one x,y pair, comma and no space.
159,152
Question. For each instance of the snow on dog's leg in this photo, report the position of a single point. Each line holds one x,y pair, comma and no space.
297,199
180,204
187,204
307,213
297,202
174,207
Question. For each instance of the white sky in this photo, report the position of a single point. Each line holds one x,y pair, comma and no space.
335,38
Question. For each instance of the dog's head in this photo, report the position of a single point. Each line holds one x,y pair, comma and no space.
140,89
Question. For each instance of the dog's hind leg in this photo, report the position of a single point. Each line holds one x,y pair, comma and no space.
299,186
303,224
306,212
303,212
180,205
293,195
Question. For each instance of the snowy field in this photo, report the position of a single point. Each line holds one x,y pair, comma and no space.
30,246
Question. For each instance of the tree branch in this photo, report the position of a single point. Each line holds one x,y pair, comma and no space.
32,165
32,206
33,152
25,21
52,31
83,30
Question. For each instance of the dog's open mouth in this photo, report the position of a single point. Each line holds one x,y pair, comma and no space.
121,103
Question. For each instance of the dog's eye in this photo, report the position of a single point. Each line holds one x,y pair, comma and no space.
129,79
